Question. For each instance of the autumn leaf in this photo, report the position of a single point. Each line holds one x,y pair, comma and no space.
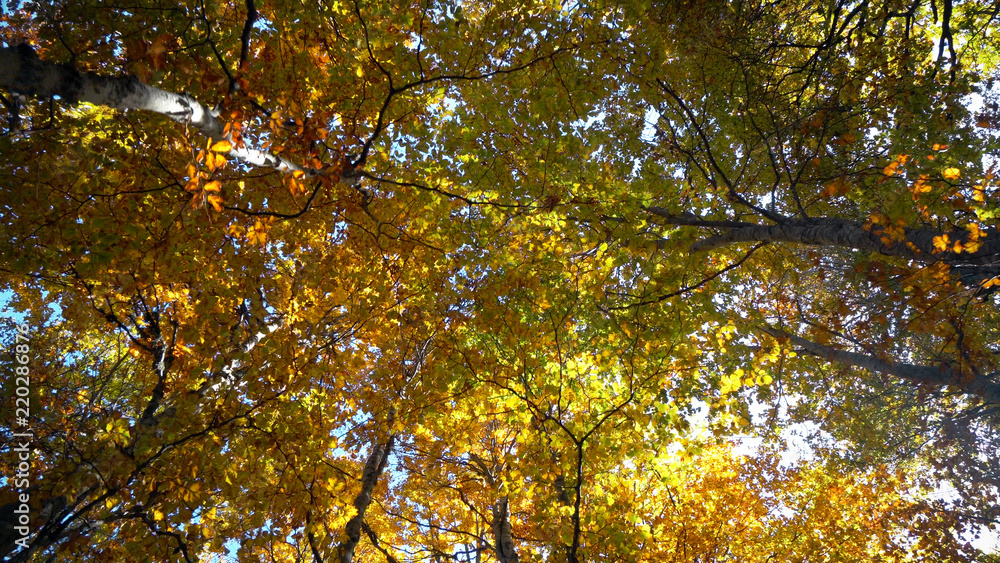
215,201
223,146
499,282
838,187
156,53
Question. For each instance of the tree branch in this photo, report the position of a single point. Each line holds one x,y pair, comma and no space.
911,244
23,72
245,39
981,387
373,537
374,467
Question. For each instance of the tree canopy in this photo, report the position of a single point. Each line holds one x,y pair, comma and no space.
500,281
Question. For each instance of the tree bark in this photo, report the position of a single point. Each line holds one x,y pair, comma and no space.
915,244
980,386
973,268
374,467
23,72
502,533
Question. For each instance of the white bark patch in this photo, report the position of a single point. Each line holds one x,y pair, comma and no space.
23,72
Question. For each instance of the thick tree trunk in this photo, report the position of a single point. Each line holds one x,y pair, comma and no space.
921,245
502,534
44,528
23,72
374,467
915,244
503,540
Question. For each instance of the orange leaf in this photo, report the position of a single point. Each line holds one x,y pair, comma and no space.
845,139
222,146
838,187
216,202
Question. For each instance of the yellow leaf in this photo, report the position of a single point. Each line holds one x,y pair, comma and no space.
951,173
213,186
257,234
222,146
921,186
940,243
979,194
157,515
216,202
975,232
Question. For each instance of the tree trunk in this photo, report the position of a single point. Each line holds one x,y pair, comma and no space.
23,72
502,533
374,467
975,260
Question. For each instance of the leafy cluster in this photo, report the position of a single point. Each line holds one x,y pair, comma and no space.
503,281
